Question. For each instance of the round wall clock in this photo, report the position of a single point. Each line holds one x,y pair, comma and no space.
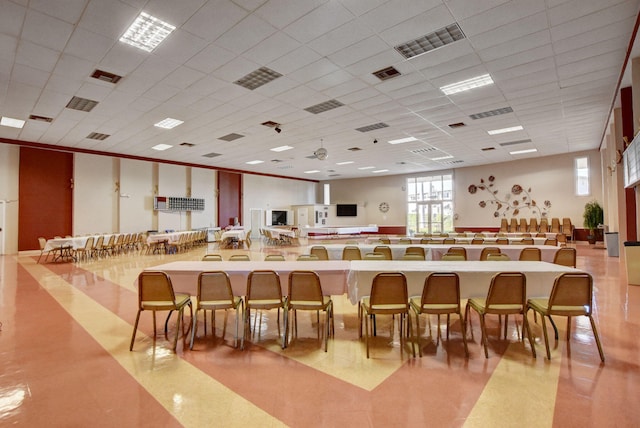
383,207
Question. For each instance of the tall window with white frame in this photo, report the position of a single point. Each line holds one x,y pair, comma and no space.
430,204
582,176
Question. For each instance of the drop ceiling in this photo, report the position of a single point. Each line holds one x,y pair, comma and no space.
555,65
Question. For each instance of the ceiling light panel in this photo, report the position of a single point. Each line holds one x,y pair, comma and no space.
379,171
491,113
254,162
368,128
325,106
403,140
161,147
147,32
281,148
521,152
345,163
211,155
366,167
465,85
505,130
168,123
82,104
11,122
431,41
257,78
312,171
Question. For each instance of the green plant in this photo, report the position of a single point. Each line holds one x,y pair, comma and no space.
593,215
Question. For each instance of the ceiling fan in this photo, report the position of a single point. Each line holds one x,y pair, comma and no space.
321,153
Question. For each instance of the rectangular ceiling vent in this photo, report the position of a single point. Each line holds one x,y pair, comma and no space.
333,175
327,105
311,157
354,149
487,149
290,166
368,128
511,143
98,136
444,36
423,150
491,113
276,160
452,162
185,144
211,155
386,73
270,124
40,118
457,125
105,76
81,104
230,137
257,78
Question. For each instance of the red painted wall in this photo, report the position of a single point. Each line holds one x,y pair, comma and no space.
45,196
229,197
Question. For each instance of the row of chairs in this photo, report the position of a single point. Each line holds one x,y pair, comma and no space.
565,256
263,292
563,226
477,240
96,247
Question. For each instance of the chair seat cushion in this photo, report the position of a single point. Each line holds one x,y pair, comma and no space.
480,305
310,304
416,303
542,306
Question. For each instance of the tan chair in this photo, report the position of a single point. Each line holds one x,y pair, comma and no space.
541,235
383,249
351,252
155,293
212,258
43,242
440,296
507,295
214,294
533,225
567,228
513,225
458,250
526,241
320,252
522,225
404,241
239,258
498,257
571,296
96,250
504,225
551,241
453,257
263,293
385,241
488,250
555,225
530,254
544,225
565,256
305,293
427,241
448,241
388,297
414,257
374,256
477,241
85,252
416,250
307,257
274,258
502,241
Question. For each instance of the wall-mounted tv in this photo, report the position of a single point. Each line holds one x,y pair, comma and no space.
346,210
279,218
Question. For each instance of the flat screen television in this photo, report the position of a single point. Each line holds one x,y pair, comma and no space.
346,210
279,218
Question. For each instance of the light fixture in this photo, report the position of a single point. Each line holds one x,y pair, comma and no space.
442,158
465,85
254,162
505,130
147,32
366,167
321,153
344,163
13,123
168,123
402,140
380,170
521,152
161,147
281,148
312,171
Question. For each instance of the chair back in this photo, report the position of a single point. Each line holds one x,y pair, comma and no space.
274,258
477,241
523,225
155,288
385,241
572,294
447,241
507,291
526,241
426,241
502,241
504,225
453,257
498,257
544,225
551,241
212,258
441,288
555,225
239,258
488,250
389,288
458,250
533,224
307,257
513,225
374,256
89,244
263,285
320,252
305,288
530,254
415,250
215,286
351,252
565,256
99,242
404,241
383,249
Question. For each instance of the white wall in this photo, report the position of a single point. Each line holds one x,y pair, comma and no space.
203,186
94,191
9,177
136,185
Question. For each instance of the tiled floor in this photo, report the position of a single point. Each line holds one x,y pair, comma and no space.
65,361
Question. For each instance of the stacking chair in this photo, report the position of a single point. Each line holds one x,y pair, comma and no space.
449,241
388,297
458,250
513,225
544,225
320,252
239,258
565,256
555,225
533,225
567,228
541,235
551,241
351,252
488,250
440,296
426,241
212,258
415,250
85,252
504,225
412,256
215,293
108,248
307,257
477,241
526,241
522,226
502,241
383,249
507,295
404,241
385,241
96,250
274,258
374,256
263,293
43,242
305,293
155,293
531,254
500,257
571,296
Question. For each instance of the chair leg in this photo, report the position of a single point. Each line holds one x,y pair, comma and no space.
555,328
595,334
485,341
418,333
525,326
546,336
366,332
464,335
135,328
195,328
175,340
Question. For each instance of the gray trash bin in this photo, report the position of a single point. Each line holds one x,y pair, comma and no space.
632,258
611,239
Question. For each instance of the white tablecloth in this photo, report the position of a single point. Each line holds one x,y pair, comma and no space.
277,233
169,237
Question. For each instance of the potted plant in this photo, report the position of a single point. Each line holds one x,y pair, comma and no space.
593,217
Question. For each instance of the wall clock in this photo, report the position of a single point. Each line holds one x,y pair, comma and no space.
383,207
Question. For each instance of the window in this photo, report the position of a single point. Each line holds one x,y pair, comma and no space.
430,204
581,169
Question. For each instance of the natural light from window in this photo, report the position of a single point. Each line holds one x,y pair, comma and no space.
430,204
582,176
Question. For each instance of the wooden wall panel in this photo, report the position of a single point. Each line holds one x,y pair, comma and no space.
45,196
626,108
229,197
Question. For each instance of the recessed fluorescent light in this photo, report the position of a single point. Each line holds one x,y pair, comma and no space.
169,123
344,163
521,152
254,162
281,148
312,171
147,32
465,85
367,167
505,130
9,121
161,147
403,140
442,158
380,170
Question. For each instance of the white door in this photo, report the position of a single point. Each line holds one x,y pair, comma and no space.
256,222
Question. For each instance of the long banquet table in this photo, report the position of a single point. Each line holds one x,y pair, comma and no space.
459,239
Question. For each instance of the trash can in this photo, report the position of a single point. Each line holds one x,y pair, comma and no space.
611,239
632,258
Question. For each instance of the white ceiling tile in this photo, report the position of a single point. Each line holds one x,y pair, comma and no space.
521,58
294,60
313,71
247,33
394,12
418,26
121,16
183,77
235,69
210,58
462,9
36,56
8,47
595,20
68,10
88,45
12,18
273,47
345,88
372,64
515,46
173,12
73,67
281,13
341,37
46,31
29,76
575,9
214,19
499,16
318,22
123,58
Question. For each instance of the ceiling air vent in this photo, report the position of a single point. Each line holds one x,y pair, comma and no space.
81,104
41,118
431,41
185,144
487,149
333,175
491,113
98,136
368,128
511,143
291,166
386,73
105,76
257,78
327,105
270,124
230,137
423,150
457,125
211,155
354,149
452,162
